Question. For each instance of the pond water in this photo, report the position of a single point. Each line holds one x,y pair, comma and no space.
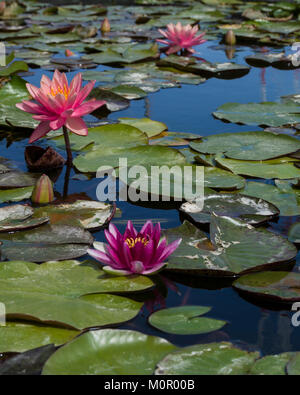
189,109
251,325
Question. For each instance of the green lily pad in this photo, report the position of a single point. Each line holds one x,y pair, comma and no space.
14,179
294,233
68,293
114,102
248,145
293,366
185,320
272,364
250,209
282,195
48,242
109,352
85,213
142,155
129,92
281,287
107,136
260,169
12,67
15,195
207,359
265,114
146,125
235,248
13,92
20,337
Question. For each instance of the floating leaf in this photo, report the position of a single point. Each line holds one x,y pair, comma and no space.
272,364
235,248
248,145
207,359
107,136
15,195
141,155
274,286
283,196
266,114
67,293
48,242
114,102
146,125
260,169
109,352
20,337
293,366
185,320
252,210
294,233
85,213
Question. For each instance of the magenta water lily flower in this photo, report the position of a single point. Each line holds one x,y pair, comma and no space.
57,104
143,252
179,37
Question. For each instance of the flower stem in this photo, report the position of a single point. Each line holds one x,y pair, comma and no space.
68,146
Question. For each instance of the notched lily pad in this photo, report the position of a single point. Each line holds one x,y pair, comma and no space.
249,209
207,359
185,320
281,287
87,214
47,242
109,352
235,248
248,145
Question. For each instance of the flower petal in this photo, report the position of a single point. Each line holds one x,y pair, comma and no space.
100,256
77,125
42,129
87,108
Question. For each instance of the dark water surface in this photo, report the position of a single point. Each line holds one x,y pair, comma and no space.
189,109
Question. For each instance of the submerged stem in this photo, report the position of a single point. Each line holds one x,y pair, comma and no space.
68,146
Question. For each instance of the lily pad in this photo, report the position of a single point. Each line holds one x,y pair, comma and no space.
272,364
293,366
56,294
146,125
250,209
107,136
22,336
248,145
260,169
294,233
282,195
109,352
263,114
185,320
114,102
142,155
235,248
48,242
85,213
15,195
13,92
207,359
282,287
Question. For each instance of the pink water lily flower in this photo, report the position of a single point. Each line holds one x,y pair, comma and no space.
179,37
143,252
57,104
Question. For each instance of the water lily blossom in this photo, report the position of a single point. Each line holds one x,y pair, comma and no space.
134,252
181,38
60,104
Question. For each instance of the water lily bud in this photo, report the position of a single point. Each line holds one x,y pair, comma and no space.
105,27
230,38
43,191
69,53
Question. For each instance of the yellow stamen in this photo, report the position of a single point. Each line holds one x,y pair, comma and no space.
64,91
131,242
